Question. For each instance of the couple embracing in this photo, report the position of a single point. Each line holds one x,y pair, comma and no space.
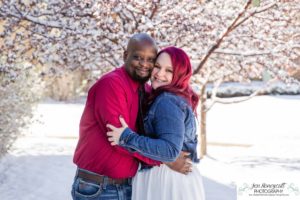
139,142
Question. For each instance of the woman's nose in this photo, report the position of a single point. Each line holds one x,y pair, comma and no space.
160,72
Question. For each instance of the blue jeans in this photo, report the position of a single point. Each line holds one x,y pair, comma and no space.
85,190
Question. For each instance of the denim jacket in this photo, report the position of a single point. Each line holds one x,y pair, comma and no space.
170,127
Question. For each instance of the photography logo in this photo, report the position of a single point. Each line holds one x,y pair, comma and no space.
270,191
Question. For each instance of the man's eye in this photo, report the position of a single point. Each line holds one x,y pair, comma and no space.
137,57
151,60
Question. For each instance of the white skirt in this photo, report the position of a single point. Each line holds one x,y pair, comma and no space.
162,183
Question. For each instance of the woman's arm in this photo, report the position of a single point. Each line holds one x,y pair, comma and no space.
169,127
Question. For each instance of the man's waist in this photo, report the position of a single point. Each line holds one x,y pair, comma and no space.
114,164
122,168
101,179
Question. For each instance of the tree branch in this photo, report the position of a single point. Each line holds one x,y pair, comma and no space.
255,12
213,94
239,53
43,35
154,10
256,53
111,62
112,40
230,101
23,16
51,24
219,41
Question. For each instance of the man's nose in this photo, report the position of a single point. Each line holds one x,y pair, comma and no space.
144,62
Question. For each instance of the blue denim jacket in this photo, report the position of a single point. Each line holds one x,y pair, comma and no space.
170,127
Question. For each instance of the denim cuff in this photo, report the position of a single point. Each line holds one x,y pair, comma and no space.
124,139
125,136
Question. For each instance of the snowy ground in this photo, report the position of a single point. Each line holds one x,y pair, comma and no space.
256,139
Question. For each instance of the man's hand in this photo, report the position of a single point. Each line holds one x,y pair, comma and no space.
183,164
115,133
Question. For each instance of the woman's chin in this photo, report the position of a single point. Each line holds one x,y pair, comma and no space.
157,85
154,88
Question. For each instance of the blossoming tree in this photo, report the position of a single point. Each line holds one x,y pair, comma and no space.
228,40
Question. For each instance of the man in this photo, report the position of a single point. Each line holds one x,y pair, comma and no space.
105,171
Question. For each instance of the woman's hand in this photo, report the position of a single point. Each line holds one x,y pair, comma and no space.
115,133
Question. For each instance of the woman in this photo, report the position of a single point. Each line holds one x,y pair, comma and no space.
170,127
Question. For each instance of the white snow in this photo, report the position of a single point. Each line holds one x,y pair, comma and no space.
256,139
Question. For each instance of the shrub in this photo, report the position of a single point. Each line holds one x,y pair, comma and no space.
18,94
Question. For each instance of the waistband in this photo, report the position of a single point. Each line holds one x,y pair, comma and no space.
101,179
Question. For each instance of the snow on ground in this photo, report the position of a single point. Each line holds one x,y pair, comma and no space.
38,169
258,138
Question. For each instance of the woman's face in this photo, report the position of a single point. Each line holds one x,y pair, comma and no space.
162,72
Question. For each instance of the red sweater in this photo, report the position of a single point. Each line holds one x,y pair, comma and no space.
113,95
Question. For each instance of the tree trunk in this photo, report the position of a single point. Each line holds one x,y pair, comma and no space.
203,122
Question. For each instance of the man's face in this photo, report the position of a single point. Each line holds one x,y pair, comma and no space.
139,61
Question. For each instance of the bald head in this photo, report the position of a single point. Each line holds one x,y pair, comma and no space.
140,39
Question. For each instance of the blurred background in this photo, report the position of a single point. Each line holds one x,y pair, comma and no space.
246,60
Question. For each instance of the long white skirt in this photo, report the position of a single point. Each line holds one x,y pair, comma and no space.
162,183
